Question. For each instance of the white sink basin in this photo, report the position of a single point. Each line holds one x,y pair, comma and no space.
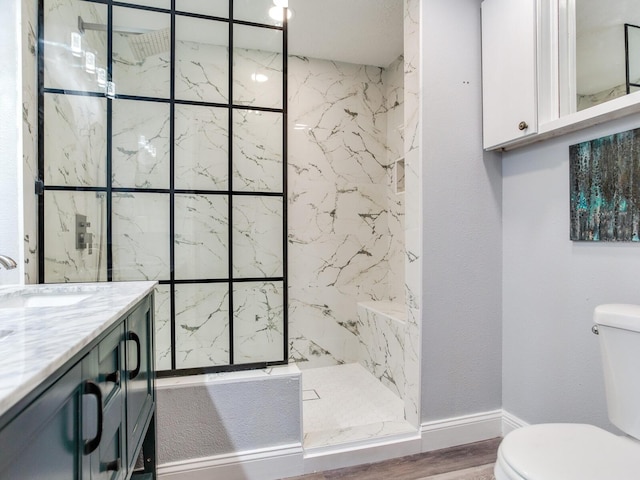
38,300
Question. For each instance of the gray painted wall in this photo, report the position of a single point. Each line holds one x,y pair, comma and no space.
551,360
461,346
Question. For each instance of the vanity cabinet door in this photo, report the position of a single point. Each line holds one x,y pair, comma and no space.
509,86
42,442
104,366
140,377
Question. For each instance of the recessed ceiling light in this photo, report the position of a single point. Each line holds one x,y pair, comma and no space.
277,13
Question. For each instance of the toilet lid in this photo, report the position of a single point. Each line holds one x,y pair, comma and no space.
570,451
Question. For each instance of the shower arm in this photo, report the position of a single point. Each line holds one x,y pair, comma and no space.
100,27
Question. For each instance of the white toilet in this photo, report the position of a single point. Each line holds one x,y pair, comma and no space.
570,451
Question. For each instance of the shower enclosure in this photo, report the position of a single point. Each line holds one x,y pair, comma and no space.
162,142
166,154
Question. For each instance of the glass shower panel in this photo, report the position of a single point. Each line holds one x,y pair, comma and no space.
75,58
257,11
75,140
166,4
202,325
202,237
202,60
258,322
140,144
173,179
257,236
201,147
141,53
257,151
257,66
66,260
215,8
140,243
162,321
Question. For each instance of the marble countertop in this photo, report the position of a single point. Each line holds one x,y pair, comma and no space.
44,326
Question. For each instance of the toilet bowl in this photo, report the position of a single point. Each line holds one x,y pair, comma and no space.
567,451
574,451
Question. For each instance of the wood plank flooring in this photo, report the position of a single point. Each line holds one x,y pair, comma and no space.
470,461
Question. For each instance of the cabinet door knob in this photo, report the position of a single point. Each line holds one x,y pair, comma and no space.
523,126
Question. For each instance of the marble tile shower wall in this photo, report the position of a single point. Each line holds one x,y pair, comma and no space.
345,220
341,211
29,136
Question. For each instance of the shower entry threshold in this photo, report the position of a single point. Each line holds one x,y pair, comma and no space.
345,404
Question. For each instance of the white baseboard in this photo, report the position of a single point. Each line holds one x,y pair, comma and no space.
461,430
359,453
292,460
263,464
511,422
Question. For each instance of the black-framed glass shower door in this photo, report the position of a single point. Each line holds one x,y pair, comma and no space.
162,156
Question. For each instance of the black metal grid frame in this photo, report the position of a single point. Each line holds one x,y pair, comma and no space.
630,84
41,187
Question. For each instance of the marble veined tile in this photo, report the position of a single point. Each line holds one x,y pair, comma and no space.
75,140
257,236
140,144
201,147
63,262
258,322
142,63
202,62
202,325
162,322
72,60
381,340
201,237
140,236
29,136
257,73
322,208
338,118
257,151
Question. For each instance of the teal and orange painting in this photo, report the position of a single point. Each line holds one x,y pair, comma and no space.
605,188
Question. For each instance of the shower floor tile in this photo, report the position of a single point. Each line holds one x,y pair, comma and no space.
353,405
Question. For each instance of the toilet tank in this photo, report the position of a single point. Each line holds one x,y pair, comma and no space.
619,334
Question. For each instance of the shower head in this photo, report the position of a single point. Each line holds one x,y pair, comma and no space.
143,43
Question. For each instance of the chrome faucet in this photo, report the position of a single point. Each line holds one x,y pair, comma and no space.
7,262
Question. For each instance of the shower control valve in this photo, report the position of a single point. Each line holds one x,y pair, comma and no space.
84,239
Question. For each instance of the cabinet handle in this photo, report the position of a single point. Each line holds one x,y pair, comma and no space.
91,388
523,126
131,336
113,377
113,466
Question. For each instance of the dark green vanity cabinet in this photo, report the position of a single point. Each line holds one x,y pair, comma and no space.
92,419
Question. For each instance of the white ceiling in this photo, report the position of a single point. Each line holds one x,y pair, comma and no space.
367,32
600,43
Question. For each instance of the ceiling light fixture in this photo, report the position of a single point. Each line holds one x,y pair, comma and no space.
277,13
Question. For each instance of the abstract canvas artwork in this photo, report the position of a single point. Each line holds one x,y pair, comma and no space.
605,188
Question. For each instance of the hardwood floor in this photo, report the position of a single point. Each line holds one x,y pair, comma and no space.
436,465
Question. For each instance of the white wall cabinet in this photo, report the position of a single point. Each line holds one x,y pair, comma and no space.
509,86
